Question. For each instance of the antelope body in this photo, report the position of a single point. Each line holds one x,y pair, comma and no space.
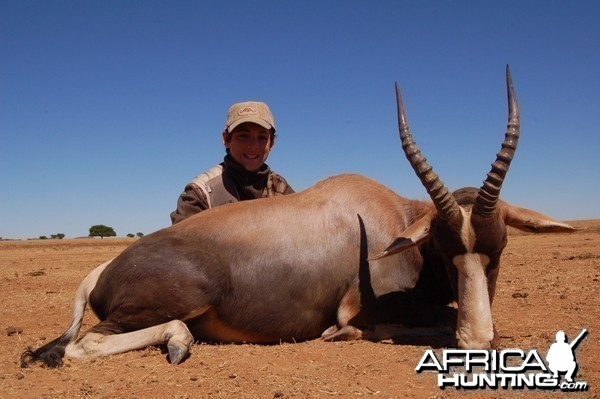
315,263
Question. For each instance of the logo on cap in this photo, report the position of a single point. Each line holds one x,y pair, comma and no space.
248,111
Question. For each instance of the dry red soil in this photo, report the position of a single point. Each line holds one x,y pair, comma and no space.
547,282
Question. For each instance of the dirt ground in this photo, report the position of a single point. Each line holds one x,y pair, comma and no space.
547,283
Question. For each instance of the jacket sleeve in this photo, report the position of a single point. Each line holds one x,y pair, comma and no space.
288,189
281,186
191,201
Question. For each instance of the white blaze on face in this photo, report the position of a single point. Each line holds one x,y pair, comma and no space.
475,329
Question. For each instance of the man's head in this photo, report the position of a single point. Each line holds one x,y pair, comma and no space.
249,134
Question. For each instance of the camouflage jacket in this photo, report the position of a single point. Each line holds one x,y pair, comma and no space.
226,183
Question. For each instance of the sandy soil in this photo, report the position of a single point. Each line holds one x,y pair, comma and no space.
547,283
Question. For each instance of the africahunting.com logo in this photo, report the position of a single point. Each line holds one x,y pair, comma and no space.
508,368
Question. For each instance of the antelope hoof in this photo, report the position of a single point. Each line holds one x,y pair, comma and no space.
177,352
346,333
331,330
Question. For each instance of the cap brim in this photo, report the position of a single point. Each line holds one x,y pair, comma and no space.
252,119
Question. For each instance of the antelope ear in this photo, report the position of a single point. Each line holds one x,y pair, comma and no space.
415,234
532,221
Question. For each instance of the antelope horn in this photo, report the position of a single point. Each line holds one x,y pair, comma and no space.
485,204
446,205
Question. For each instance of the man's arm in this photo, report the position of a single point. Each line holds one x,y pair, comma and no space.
192,201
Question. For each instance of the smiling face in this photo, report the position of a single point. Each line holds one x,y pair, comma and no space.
249,144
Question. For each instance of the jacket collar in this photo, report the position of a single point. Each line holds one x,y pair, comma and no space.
242,177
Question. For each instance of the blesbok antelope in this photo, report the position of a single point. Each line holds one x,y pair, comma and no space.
315,263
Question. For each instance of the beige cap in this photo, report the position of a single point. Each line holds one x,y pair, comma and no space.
249,111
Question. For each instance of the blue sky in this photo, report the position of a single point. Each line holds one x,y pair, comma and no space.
107,109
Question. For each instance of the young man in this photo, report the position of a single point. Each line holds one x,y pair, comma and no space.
248,137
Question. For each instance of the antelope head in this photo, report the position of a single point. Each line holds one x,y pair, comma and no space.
468,227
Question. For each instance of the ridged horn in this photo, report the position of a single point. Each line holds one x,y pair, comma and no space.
485,204
446,205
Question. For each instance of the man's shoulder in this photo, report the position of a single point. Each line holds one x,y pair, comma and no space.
279,184
205,178
277,177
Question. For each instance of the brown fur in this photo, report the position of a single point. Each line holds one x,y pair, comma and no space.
224,257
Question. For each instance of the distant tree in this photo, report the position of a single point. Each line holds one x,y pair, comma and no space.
140,234
130,235
58,236
100,230
43,238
